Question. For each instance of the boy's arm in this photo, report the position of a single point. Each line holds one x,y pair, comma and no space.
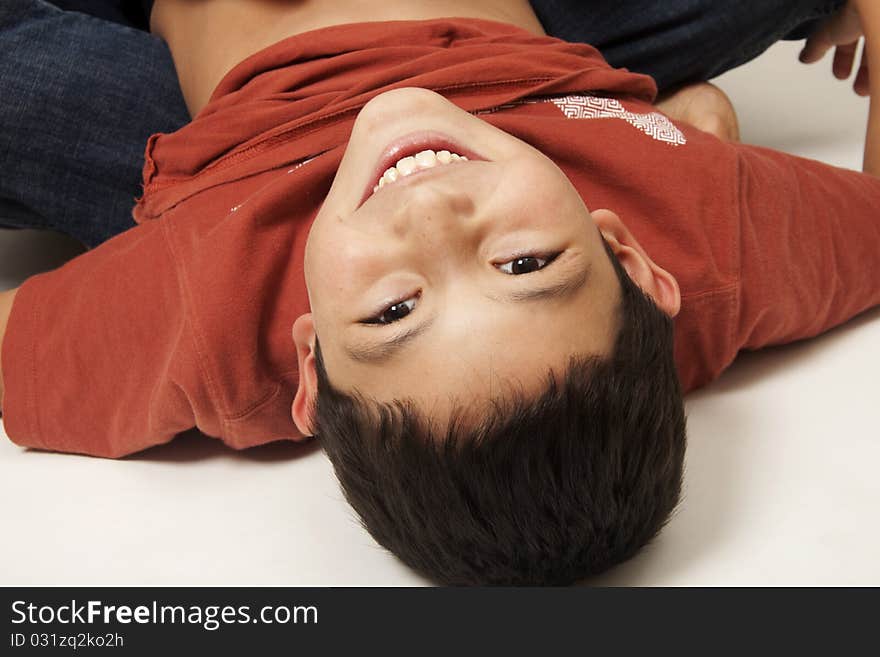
810,240
7,297
98,355
809,246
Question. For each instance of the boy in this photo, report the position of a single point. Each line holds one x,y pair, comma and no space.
487,471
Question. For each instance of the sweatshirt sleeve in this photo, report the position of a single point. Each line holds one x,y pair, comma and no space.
98,356
810,246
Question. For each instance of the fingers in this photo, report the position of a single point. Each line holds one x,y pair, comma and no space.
842,66
861,85
815,47
844,56
843,31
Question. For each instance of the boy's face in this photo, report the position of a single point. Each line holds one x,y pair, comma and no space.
451,285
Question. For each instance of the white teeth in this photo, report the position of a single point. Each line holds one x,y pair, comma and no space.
426,159
406,166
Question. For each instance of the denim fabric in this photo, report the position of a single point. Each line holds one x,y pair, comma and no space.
681,41
78,99
128,12
79,96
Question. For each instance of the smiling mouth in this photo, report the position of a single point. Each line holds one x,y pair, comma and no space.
427,159
413,154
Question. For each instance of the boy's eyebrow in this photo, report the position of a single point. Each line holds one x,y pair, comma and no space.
382,351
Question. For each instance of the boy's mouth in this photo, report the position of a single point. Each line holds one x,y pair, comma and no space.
427,159
414,153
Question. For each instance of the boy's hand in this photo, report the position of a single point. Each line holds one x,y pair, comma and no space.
843,32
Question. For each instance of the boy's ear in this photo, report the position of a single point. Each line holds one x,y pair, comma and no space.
307,391
655,281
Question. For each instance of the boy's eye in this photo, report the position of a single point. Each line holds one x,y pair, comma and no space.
394,312
525,264
521,265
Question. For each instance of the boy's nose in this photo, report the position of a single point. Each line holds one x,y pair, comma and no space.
438,213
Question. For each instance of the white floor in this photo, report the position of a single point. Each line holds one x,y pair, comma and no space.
782,482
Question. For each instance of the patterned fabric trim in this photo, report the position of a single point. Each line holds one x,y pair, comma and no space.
588,106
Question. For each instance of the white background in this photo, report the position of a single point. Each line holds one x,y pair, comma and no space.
782,482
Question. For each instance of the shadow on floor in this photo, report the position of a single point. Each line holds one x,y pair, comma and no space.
193,445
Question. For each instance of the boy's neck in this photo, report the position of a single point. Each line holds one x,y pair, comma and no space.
207,39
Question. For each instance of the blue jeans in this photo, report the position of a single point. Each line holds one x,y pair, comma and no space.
682,41
79,96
